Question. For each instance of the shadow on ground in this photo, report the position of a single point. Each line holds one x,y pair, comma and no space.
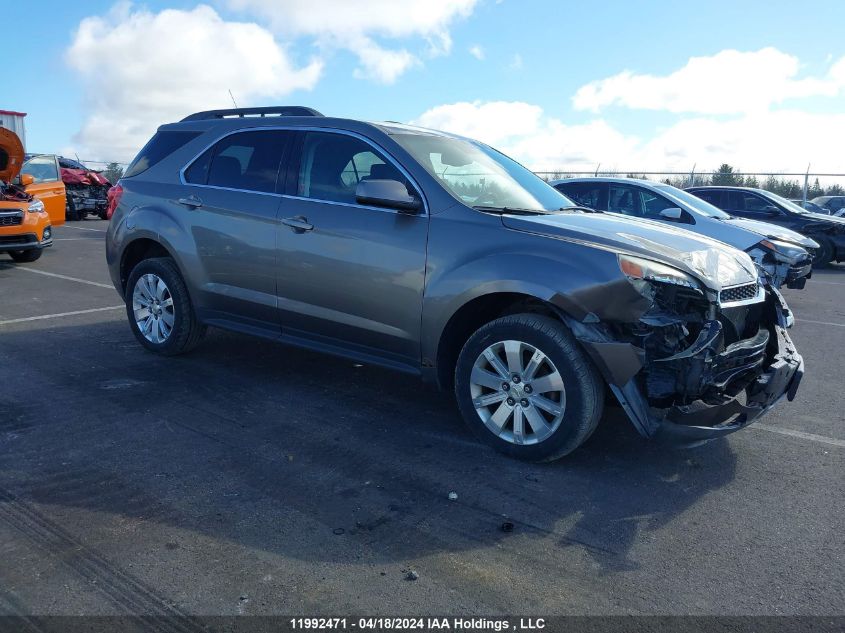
310,456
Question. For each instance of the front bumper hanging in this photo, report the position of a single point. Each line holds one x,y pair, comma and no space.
746,367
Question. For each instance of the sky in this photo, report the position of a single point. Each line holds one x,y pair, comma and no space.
634,86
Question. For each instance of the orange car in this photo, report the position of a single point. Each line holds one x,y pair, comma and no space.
25,226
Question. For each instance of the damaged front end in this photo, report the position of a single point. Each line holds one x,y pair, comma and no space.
694,363
783,264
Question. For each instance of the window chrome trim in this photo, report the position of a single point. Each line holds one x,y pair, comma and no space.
329,130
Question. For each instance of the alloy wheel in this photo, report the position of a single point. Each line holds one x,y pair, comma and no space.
517,392
152,306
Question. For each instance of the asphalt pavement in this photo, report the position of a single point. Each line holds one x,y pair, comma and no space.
252,478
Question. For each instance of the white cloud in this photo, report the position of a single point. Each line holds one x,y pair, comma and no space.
516,62
493,122
141,69
355,25
783,140
728,82
477,52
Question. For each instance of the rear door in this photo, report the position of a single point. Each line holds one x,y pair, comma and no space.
230,204
47,186
588,194
350,275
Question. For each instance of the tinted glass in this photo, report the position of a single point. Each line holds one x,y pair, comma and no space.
732,201
197,173
774,200
709,196
700,205
332,165
585,194
41,168
480,176
159,146
622,199
653,204
754,203
247,160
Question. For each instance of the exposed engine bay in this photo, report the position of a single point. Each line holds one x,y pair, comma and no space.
697,367
13,193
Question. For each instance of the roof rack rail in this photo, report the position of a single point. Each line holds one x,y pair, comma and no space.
252,112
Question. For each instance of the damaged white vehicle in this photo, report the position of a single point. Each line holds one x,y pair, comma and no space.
783,257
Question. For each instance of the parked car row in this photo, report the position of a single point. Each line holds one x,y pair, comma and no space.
766,206
439,256
783,255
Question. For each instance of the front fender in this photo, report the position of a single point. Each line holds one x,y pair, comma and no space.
583,282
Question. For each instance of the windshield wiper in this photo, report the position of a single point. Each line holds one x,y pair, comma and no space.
512,210
578,208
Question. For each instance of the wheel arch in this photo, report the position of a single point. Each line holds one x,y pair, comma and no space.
138,250
476,312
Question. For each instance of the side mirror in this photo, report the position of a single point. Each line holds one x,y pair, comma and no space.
391,194
771,210
27,179
673,213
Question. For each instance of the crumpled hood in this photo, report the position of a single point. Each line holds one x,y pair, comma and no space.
715,263
11,155
773,231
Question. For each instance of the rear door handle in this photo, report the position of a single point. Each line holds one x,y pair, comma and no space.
299,224
192,202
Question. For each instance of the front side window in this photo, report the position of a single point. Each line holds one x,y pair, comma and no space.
246,160
653,204
755,204
704,203
332,165
479,176
41,168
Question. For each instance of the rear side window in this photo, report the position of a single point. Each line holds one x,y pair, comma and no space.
41,168
713,197
159,147
246,160
588,195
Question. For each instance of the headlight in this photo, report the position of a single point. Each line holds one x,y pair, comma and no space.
785,251
36,207
638,269
723,267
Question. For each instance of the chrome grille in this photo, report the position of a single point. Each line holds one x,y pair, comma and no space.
739,293
13,218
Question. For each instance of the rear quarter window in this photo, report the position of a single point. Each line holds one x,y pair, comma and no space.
159,147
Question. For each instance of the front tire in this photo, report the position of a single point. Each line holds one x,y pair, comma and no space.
26,257
526,388
824,254
159,309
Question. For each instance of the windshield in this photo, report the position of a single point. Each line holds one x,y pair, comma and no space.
698,205
479,176
788,205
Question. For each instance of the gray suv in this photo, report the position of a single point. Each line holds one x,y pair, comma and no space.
439,256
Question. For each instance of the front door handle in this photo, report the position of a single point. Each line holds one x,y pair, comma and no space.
299,224
192,202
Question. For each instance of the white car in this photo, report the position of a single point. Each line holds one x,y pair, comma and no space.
782,255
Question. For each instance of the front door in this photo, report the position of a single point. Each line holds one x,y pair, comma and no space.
350,275
47,185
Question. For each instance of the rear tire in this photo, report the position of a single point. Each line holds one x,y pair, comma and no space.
159,308
545,396
824,254
26,257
